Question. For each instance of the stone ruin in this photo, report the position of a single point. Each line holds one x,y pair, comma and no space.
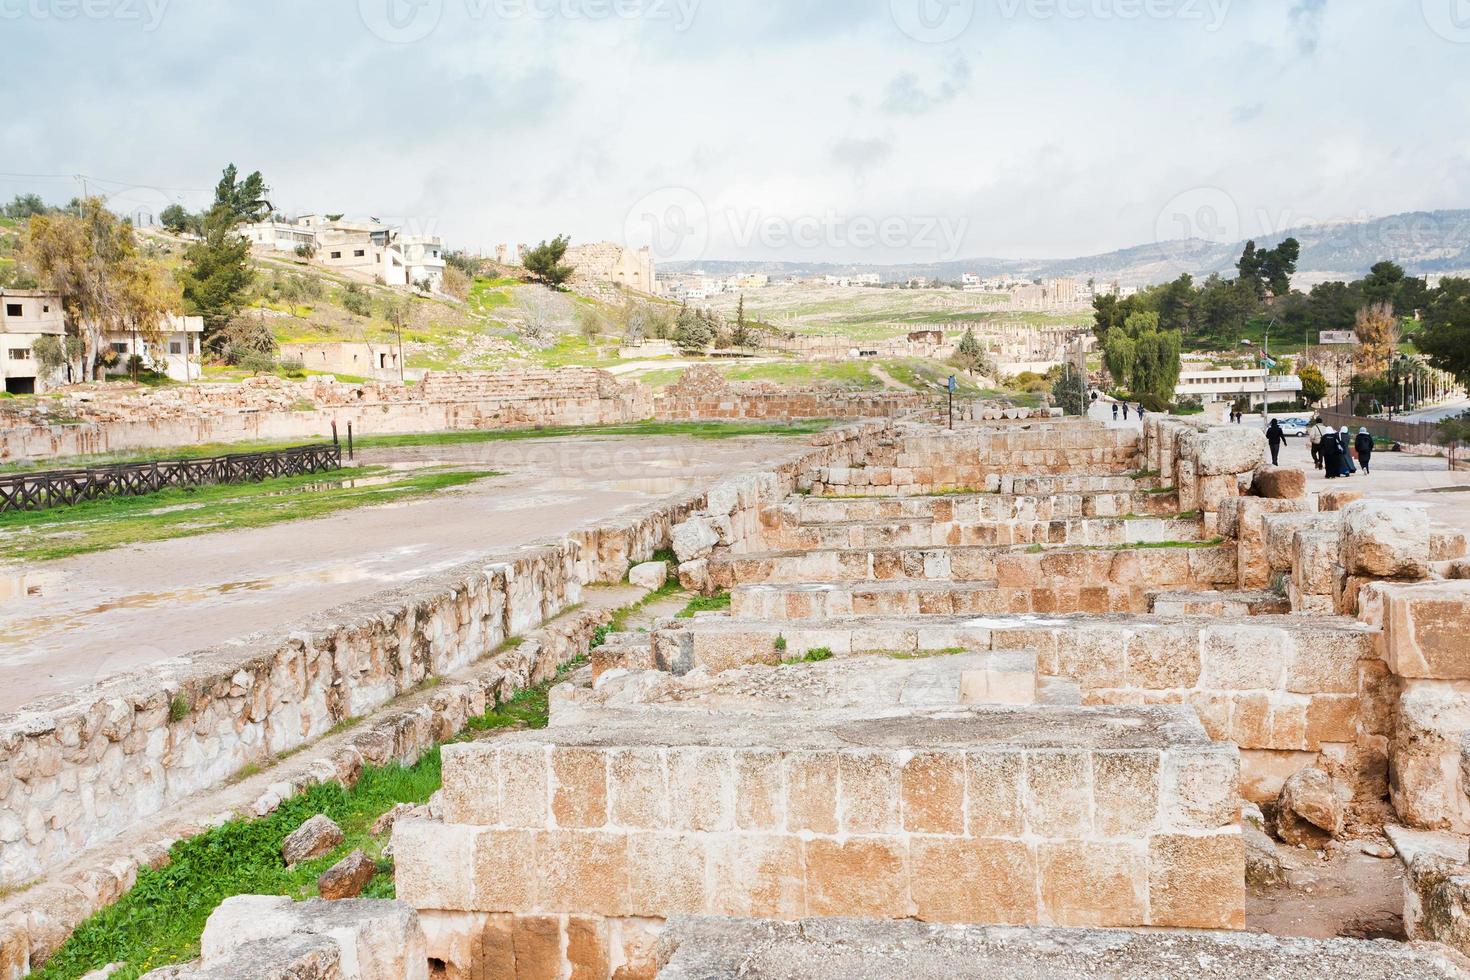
986,702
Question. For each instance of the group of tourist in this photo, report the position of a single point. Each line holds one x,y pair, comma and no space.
1333,450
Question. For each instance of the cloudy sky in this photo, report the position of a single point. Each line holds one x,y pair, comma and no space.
843,130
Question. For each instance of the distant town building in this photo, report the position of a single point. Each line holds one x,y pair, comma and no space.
173,352
368,249
1252,384
27,315
377,362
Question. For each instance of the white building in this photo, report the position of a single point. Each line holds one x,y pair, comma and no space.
1229,385
27,315
369,249
175,352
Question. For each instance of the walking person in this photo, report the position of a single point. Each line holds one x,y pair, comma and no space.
1345,438
1331,451
1314,437
1364,445
1115,411
1274,438
1125,411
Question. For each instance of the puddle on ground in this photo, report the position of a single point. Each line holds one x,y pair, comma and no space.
27,585
21,630
320,485
657,486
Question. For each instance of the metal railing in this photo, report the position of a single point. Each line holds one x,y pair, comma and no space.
54,488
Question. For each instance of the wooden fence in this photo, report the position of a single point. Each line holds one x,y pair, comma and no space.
53,488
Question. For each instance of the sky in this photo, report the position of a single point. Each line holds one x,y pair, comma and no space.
872,131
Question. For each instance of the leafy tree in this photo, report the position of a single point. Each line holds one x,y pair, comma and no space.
355,300
244,199
177,219
1445,336
544,262
1378,338
1383,284
1225,307
1314,384
27,206
968,354
50,353
92,261
1278,265
742,335
691,331
1144,357
1335,305
1118,355
1069,391
1452,433
1175,304
217,271
1249,269
1413,297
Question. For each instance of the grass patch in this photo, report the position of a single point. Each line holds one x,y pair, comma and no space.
815,655
527,708
179,708
160,920
926,654
60,532
719,602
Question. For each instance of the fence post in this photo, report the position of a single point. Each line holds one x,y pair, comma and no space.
349,441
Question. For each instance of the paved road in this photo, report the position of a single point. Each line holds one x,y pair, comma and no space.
67,623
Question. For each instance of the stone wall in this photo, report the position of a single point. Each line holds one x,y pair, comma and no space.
1206,464
269,408
703,393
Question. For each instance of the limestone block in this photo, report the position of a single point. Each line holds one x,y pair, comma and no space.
1277,531
1426,628
1222,450
1279,483
1243,519
694,539
1447,544
650,575
1314,557
1309,810
1337,500
1384,539
1425,780
378,940
312,839
998,685
347,878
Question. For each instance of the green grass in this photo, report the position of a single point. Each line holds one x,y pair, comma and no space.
160,920
927,654
60,532
815,655
705,603
488,295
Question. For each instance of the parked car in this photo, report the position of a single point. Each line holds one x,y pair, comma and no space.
1295,427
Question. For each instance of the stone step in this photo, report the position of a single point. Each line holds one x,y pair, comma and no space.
1221,605
928,532
982,507
787,816
1156,569
808,600
698,948
897,481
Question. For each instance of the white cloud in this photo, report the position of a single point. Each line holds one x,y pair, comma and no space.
1067,135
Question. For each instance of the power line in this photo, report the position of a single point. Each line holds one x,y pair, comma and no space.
127,184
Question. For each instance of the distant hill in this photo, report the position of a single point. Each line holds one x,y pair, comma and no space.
1423,242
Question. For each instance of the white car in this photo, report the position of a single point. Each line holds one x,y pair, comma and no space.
1295,427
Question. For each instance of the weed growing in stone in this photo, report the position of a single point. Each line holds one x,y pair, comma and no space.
815,655
705,603
160,920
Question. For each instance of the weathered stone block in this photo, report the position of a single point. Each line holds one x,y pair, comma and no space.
1384,539
1426,629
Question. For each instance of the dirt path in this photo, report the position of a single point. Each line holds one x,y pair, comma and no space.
68,623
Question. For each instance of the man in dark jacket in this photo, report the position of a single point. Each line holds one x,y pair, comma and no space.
1275,437
1364,445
